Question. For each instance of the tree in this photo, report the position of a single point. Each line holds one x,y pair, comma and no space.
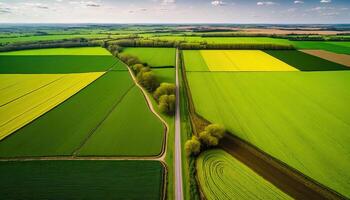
164,89
167,104
216,130
147,79
211,135
207,139
193,146
137,68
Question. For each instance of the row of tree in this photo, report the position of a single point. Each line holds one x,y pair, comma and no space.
198,45
208,138
65,43
163,93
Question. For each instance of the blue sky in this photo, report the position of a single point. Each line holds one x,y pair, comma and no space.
175,11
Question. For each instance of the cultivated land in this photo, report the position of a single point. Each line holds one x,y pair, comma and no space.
242,60
165,74
91,51
306,62
154,57
81,180
63,130
57,64
299,118
342,59
254,60
23,98
221,176
129,130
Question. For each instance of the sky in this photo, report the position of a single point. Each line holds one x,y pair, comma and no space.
175,11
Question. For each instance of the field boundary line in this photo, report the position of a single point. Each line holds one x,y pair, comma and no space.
162,154
103,120
239,149
76,158
30,92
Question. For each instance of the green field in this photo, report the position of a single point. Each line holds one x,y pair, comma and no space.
81,180
91,51
65,128
129,130
47,38
155,57
165,74
336,47
194,61
300,118
306,62
221,176
57,64
225,40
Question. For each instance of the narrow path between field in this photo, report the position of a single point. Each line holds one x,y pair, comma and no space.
162,155
178,160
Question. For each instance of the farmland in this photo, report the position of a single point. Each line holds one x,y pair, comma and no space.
253,60
70,123
336,47
104,111
250,109
90,51
154,57
243,60
26,97
223,177
81,179
334,57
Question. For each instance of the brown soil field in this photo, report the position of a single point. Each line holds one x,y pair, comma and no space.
334,57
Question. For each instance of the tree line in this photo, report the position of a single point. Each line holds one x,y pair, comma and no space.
163,93
64,43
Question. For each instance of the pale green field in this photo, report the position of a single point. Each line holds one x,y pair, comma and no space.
300,118
93,51
221,176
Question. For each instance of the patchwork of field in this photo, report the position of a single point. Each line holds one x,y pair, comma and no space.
306,62
154,57
255,60
117,136
342,59
111,99
299,118
48,37
71,60
23,98
336,47
242,60
81,180
221,176
91,51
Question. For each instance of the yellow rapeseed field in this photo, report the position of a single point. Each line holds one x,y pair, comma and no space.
25,97
243,60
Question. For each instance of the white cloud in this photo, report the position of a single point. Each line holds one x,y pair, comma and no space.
298,2
86,3
166,2
265,3
218,3
325,1
36,5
